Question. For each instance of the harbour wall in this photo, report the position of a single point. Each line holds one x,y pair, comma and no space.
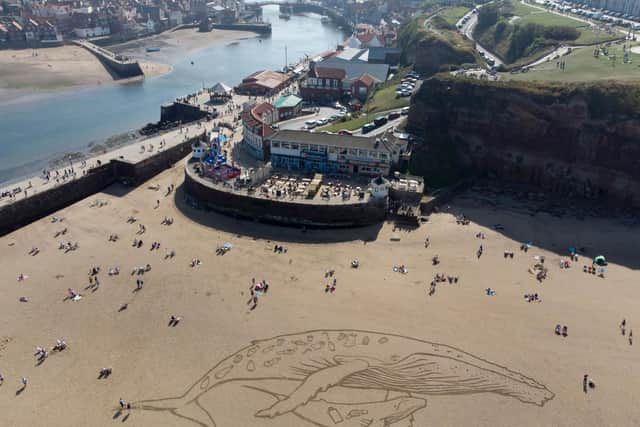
256,28
282,212
22,212
180,111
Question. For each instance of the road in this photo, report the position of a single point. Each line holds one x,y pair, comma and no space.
298,123
467,30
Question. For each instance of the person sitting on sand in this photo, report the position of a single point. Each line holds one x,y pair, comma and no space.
60,345
565,331
558,329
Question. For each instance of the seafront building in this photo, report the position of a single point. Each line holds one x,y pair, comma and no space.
330,153
263,83
256,127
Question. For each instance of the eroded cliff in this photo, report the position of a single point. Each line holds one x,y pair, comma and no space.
573,140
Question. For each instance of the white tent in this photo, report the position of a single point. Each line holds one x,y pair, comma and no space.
221,89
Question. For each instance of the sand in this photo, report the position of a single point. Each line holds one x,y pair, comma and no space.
66,67
151,360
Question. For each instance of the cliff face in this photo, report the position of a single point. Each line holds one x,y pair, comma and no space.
432,52
429,50
581,140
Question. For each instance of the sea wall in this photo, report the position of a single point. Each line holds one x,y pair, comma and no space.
282,212
572,140
24,211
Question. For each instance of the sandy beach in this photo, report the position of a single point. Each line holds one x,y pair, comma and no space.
505,365
62,68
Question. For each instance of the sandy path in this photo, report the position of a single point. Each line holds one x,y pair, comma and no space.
151,360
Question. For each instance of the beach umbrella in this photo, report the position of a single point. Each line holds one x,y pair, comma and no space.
600,260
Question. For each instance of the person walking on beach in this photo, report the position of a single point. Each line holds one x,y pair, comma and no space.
631,337
121,403
585,380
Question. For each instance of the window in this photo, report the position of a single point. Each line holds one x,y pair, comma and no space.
313,147
294,146
383,156
373,154
353,152
362,153
304,146
285,145
332,150
275,144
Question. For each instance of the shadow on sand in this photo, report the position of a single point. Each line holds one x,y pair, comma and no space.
279,233
617,238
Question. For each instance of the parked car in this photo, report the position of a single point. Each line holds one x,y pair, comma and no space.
405,93
404,111
368,127
380,120
323,121
393,115
345,132
310,124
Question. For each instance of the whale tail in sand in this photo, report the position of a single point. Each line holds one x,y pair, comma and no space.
180,407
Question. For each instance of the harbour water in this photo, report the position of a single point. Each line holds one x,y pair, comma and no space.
34,132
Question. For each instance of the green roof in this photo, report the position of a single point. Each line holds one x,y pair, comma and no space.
287,101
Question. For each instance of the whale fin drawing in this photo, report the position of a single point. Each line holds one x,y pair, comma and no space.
314,384
191,411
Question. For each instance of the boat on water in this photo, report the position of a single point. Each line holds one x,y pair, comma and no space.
153,49
285,16
325,19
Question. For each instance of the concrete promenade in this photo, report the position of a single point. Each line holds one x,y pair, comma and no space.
140,150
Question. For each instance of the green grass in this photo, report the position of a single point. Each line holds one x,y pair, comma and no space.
529,14
582,66
385,99
453,14
594,36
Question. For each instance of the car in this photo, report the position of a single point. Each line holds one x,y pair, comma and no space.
323,121
393,115
334,117
380,120
341,114
275,126
404,111
368,127
405,94
311,123
345,132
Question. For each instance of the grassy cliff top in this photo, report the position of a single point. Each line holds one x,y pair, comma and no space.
604,98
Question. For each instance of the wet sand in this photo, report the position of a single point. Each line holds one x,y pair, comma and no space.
152,360
62,68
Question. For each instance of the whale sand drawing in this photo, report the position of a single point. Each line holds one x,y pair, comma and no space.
319,360
366,414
